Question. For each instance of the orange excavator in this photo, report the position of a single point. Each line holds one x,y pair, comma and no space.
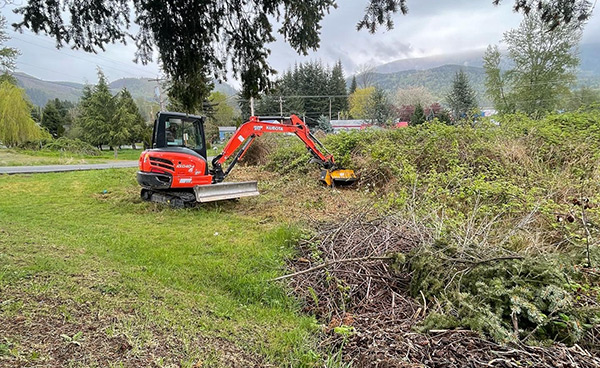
176,170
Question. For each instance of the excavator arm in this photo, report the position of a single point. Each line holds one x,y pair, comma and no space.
249,131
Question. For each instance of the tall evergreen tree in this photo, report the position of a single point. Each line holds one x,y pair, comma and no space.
337,87
98,110
379,109
129,115
296,89
461,98
314,82
124,124
353,85
52,120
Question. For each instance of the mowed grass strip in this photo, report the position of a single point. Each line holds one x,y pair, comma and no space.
18,157
81,249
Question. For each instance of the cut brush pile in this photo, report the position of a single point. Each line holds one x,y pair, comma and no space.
390,294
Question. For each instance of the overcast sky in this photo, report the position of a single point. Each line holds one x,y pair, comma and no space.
431,27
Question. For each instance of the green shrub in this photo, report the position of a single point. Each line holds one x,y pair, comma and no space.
62,144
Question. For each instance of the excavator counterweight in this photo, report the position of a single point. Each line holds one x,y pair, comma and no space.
176,169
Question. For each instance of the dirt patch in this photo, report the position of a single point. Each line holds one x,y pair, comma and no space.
63,333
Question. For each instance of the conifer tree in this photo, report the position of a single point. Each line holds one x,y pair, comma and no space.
128,114
125,121
379,109
461,98
324,124
353,85
97,113
337,87
52,120
418,117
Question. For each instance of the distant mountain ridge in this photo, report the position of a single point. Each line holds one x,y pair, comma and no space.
41,91
437,72
437,80
589,54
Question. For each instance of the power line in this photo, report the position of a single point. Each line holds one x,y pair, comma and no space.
74,56
49,70
23,75
98,56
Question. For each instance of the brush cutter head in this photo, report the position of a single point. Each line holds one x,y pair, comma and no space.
338,177
223,191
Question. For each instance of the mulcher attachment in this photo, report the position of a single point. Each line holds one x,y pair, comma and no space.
339,177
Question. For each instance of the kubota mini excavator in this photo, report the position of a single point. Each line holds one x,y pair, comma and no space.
176,171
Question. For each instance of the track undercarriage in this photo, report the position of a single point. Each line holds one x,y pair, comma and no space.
176,199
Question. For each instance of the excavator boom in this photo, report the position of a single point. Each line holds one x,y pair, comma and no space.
255,127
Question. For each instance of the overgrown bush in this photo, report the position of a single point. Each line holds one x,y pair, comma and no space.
62,144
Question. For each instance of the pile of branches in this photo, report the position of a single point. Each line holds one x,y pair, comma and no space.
354,277
259,152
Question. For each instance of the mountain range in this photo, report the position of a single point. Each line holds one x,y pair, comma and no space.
41,91
437,72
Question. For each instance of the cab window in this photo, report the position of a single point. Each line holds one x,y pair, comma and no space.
183,133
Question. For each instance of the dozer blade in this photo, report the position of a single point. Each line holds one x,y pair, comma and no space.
223,191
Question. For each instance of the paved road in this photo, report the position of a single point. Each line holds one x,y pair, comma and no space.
59,168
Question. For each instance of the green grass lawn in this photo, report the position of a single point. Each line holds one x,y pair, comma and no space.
12,157
92,279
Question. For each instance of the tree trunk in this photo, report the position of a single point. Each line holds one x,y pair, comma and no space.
133,146
116,152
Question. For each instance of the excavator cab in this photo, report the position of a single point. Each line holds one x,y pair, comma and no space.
174,131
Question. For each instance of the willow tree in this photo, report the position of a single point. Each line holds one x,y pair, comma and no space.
16,124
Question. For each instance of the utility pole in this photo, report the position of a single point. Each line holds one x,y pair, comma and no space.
160,94
280,106
329,108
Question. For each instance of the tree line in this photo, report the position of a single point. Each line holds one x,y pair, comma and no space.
322,90
318,93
